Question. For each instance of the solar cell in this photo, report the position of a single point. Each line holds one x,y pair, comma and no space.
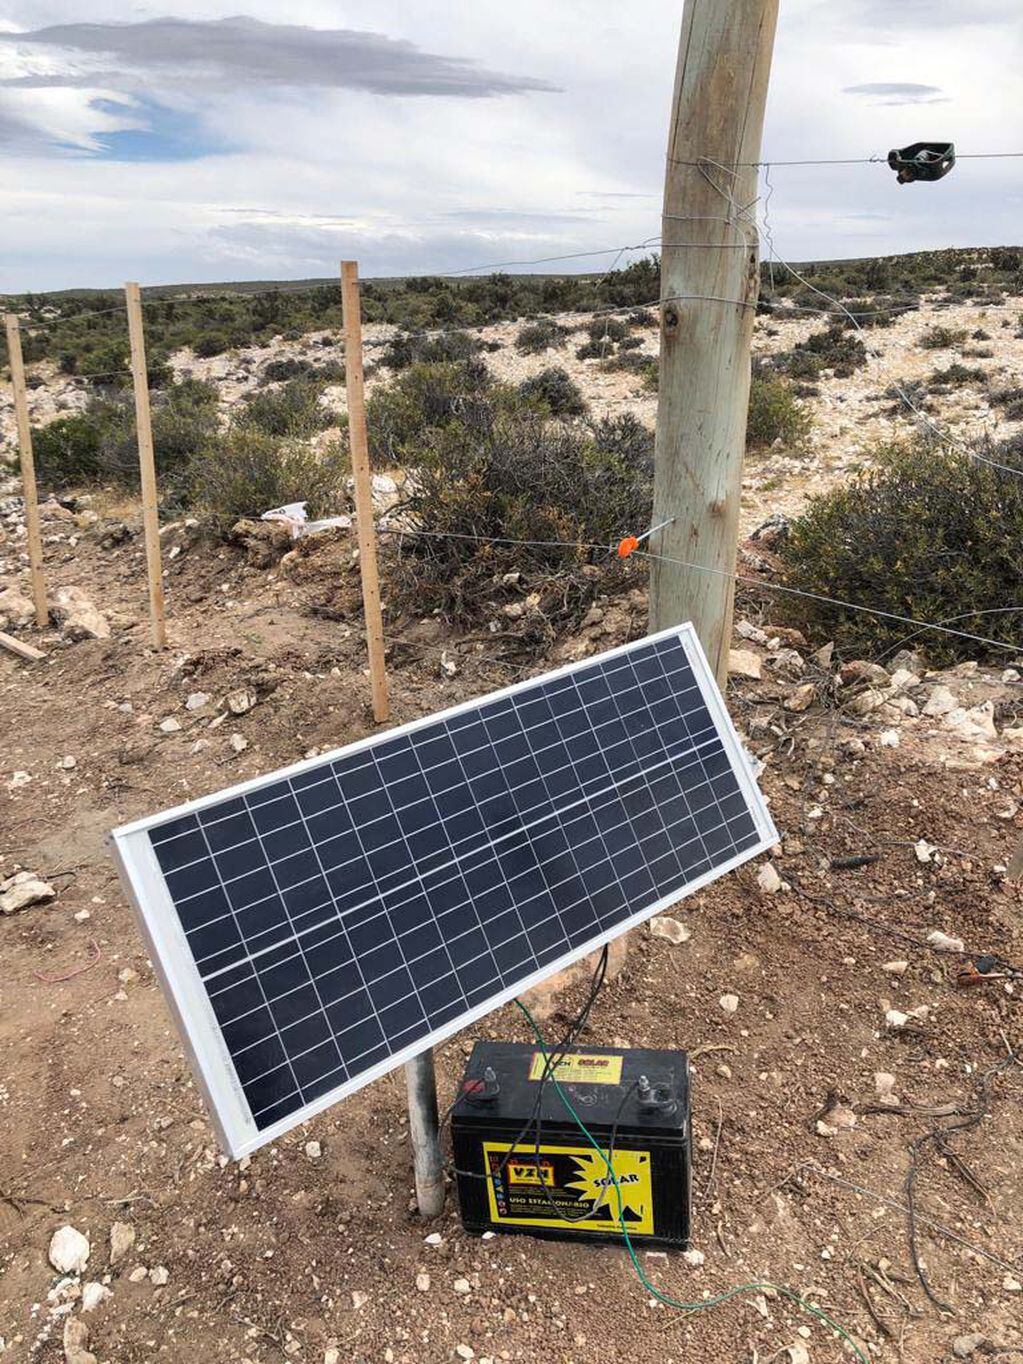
318,926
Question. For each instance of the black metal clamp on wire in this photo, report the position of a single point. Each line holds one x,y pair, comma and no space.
922,161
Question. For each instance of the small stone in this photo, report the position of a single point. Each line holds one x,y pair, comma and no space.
197,700
940,702
238,742
768,879
158,1276
462,1286
964,1346
448,666
1011,1284
22,890
139,1274
666,927
18,780
924,851
941,942
359,1299
76,1340
82,916
465,1352
744,663
241,701
313,1150
729,1003
889,738
884,1083
93,1294
77,616
434,1239
68,762
694,1258
423,1282
170,725
896,968
122,1238
69,1251
332,1356
801,698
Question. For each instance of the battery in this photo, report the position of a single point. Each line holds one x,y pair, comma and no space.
635,1103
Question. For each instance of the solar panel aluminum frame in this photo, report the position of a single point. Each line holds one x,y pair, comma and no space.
176,968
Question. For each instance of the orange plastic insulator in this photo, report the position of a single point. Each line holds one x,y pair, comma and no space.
626,546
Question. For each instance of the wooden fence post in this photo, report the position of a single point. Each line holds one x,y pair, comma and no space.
28,472
147,464
363,486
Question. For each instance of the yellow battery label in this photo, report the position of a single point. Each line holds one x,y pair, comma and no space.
579,1067
569,1186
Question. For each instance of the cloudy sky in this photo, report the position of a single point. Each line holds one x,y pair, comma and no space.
200,140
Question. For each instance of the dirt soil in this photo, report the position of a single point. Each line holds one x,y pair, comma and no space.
800,1169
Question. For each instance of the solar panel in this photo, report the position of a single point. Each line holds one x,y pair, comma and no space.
316,927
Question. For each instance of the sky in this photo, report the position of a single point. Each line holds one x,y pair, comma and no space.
193,140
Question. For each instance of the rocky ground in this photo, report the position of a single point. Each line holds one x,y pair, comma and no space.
851,1004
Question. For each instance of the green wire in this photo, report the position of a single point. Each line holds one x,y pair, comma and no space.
669,1301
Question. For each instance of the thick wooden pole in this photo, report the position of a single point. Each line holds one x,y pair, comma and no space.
147,464
28,468
709,191
363,486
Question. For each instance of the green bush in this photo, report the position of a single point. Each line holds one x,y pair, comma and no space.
941,338
524,477
213,343
834,348
402,416
955,375
925,533
405,350
603,329
554,390
294,409
247,471
67,451
1010,400
774,414
541,335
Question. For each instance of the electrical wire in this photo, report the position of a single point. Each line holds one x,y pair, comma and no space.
700,1304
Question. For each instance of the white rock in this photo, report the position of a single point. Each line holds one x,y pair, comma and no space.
18,780
93,1294
313,1150
964,1346
238,742
158,1276
768,879
895,1019
729,1003
797,1353
940,702
77,616
1011,1284
170,725
751,632
904,680
69,762
139,1274
1010,675
122,1238
197,700
889,738
423,1282
69,1250
462,1286
359,1299
943,943
434,1239
665,927
15,609
884,1083
694,1258
22,890
240,701
448,666
976,723
332,1356
896,968
465,1352
744,663
924,851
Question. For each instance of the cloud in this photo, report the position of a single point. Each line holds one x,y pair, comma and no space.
898,92
251,51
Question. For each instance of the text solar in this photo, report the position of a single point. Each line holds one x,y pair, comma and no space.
318,926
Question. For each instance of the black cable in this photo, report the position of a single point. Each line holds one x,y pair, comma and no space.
552,1060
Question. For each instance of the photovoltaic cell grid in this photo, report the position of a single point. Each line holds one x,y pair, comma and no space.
340,915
